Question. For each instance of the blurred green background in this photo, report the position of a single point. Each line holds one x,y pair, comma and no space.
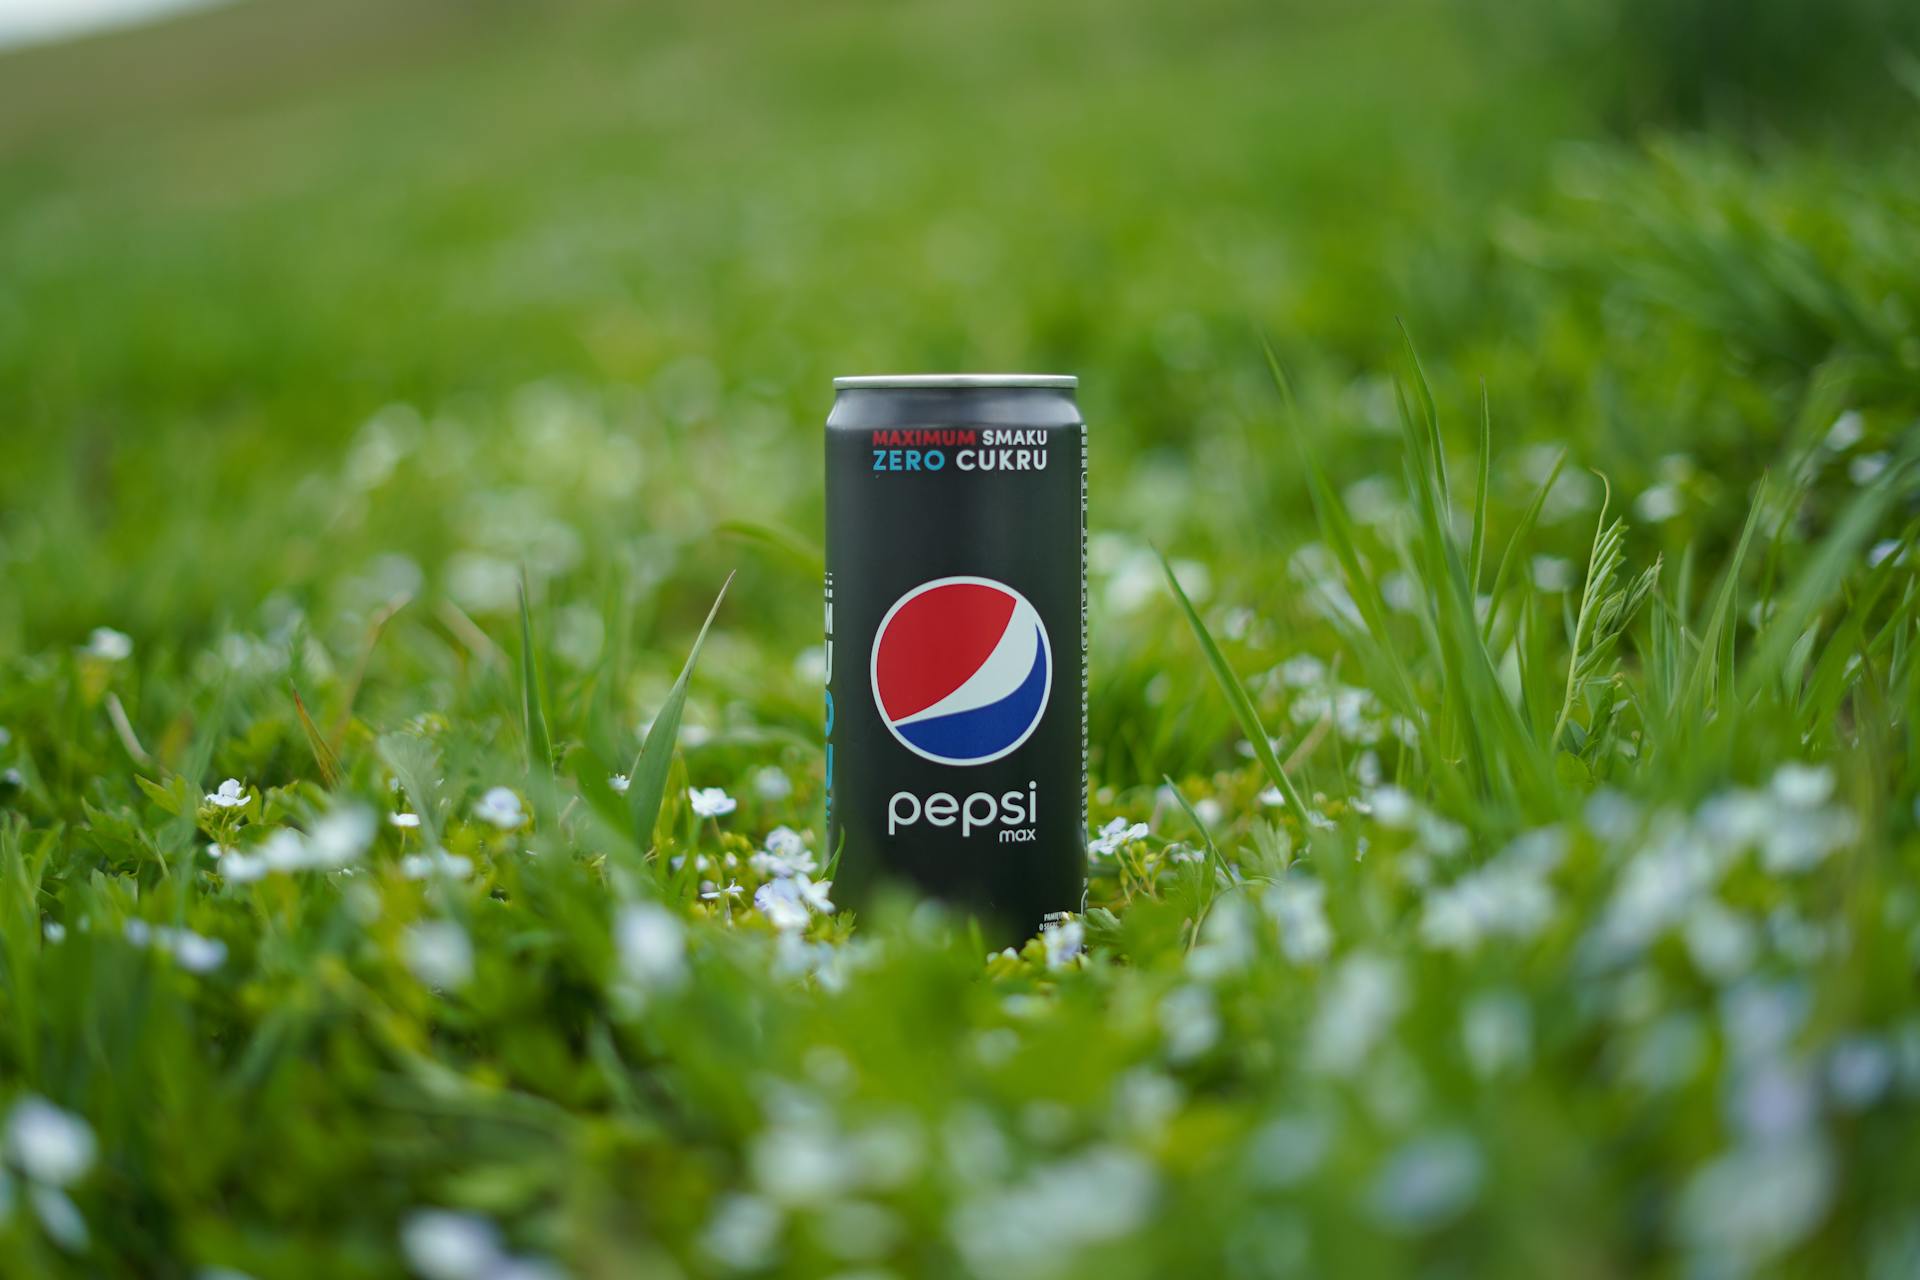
318,305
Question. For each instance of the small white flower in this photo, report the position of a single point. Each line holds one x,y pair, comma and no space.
1190,1022
54,932
1298,907
443,1245
405,821
59,1217
1658,504
231,795
1804,786
779,901
730,890
436,862
1866,468
652,945
711,802
1428,1183
50,1145
194,953
242,868
109,645
1064,942
1846,431
439,953
501,807
772,783
619,783
338,839
1114,835
1552,574
813,893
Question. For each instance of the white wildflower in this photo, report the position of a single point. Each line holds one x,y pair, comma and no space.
49,1144
59,1216
339,838
770,782
1189,1021
1427,1183
194,953
231,795
786,854
1859,1071
813,893
1297,907
1866,468
439,954
1058,1209
54,932
652,946
619,783
1115,834
1357,1007
108,645
711,802
1552,573
501,807
436,862
1393,807
1658,504
238,867
779,901
742,1232
1846,431
1302,672
1505,898
1754,1203
405,821
1802,786
1722,943
443,1245
1063,942
1285,1151
1496,1028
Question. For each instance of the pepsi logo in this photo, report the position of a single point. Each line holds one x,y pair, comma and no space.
962,670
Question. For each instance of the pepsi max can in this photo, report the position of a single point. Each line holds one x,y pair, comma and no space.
956,642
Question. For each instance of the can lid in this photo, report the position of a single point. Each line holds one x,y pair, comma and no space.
924,381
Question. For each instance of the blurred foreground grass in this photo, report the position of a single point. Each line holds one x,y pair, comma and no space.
1589,948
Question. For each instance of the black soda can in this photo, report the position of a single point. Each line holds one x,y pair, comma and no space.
956,642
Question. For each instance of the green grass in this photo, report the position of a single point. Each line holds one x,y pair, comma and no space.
1518,719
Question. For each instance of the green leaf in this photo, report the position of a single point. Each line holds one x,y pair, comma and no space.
647,780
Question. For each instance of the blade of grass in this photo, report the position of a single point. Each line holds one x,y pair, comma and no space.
322,753
1237,699
647,779
1517,539
1477,554
533,715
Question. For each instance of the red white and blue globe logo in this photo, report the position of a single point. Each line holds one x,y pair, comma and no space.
962,670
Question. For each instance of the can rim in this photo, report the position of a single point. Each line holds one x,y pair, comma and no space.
923,381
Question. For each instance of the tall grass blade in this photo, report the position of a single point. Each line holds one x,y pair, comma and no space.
1237,699
647,780
322,753
533,714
